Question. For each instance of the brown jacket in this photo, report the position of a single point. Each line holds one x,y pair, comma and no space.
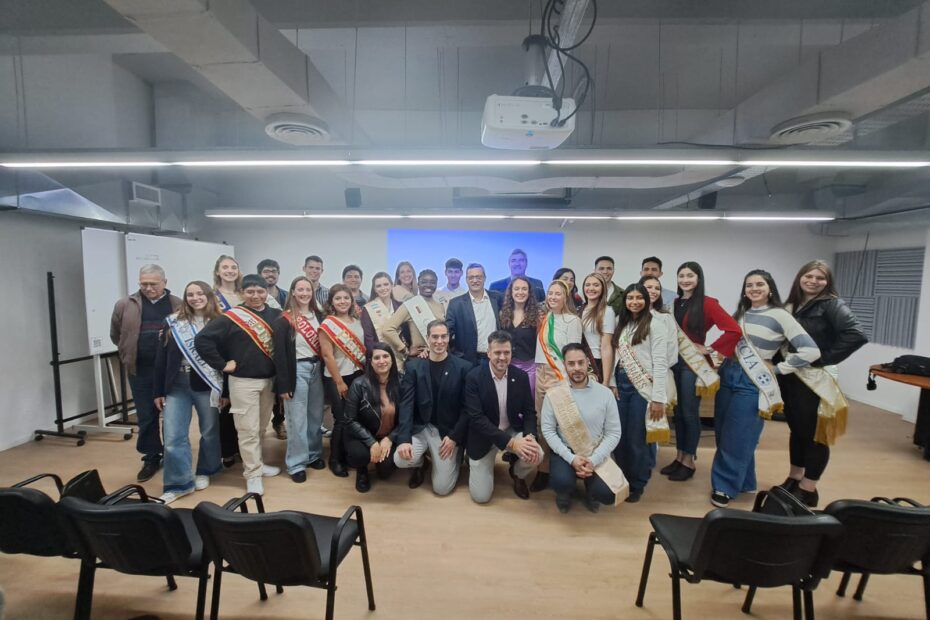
125,324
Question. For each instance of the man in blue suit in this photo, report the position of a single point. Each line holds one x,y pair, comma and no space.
473,317
517,264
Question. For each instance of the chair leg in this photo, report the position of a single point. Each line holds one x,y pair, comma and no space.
808,605
330,599
927,590
201,594
844,582
647,563
215,602
279,589
747,604
262,593
860,589
85,594
676,596
366,565
172,584
796,602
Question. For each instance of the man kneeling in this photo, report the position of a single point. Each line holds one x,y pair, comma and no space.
581,424
502,416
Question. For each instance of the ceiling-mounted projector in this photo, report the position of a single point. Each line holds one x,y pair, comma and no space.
525,123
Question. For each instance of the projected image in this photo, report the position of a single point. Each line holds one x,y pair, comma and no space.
539,255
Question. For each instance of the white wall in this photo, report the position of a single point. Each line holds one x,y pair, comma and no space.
890,395
30,246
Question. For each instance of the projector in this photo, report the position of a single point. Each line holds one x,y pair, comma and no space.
524,123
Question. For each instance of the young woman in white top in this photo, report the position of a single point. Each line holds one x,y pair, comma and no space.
342,346
641,345
560,326
598,322
381,305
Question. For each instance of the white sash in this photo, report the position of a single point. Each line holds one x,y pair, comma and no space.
754,366
184,333
379,313
657,431
420,314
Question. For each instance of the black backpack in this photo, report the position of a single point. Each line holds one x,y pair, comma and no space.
779,502
910,365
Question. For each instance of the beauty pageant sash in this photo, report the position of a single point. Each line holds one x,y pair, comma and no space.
304,327
573,429
348,342
379,313
253,325
657,431
224,303
420,314
550,349
708,381
754,366
184,333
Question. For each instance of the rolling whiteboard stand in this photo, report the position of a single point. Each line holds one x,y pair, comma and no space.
103,420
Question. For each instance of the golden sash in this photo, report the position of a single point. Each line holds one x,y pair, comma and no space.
656,430
253,325
420,314
708,381
576,435
379,313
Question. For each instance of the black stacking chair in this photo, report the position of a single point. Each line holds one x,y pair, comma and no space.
142,538
30,522
286,548
882,537
744,548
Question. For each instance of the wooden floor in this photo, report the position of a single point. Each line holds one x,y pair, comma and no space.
448,558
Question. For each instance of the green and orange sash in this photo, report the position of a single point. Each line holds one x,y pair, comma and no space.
550,348
348,342
253,325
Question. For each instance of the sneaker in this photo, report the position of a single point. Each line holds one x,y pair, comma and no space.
270,470
254,485
719,499
671,468
326,432
169,496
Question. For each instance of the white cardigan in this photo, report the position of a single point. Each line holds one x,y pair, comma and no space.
652,354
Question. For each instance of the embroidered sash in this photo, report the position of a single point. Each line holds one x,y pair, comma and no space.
379,313
253,325
184,333
420,314
224,303
550,349
656,430
833,408
753,365
348,342
708,381
304,327
575,432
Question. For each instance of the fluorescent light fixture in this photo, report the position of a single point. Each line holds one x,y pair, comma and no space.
656,218
780,218
354,216
447,162
567,216
261,163
246,215
833,163
464,216
641,162
84,164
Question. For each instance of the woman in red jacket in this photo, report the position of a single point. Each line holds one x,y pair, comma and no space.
695,313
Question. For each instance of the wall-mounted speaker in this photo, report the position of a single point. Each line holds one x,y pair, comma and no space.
708,201
353,198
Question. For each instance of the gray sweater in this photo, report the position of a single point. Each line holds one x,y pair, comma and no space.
599,412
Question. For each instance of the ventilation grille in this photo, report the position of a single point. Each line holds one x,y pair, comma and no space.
297,129
820,128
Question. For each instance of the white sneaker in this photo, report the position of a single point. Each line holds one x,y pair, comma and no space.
170,496
270,470
254,485
201,482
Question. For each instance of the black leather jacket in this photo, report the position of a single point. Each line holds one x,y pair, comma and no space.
363,421
834,328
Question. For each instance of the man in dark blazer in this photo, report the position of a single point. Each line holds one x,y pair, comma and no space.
502,416
473,317
431,418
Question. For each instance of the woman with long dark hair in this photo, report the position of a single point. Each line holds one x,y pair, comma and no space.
371,417
695,313
299,381
520,316
817,306
381,305
568,276
748,386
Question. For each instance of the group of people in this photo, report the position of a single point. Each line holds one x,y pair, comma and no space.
568,384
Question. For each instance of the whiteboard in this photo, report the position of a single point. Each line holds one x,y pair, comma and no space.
111,271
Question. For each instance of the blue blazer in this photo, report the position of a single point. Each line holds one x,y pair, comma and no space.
484,414
463,327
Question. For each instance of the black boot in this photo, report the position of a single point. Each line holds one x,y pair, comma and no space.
362,481
337,453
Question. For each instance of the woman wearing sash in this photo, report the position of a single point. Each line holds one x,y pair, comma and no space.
695,313
380,307
299,378
642,379
748,387
568,276
342,344
182,381
560,327
814,302
520,317
598,322
227,282
405,279
371,417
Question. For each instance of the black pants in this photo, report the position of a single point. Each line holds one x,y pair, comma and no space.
336,442
359,456
277,412
229,438
801,414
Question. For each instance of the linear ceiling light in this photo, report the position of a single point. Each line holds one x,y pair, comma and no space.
447,162
780,218
834,163
267,163
499,216
641,162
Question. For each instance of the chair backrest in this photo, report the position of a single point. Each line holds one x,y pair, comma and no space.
761,550
277,547
139,539
881,538
30,522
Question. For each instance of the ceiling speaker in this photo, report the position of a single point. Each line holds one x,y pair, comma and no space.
353,198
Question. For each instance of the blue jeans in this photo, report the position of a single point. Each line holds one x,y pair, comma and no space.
148,443
304,413
178,458
632,453
738,426
688,409
562,479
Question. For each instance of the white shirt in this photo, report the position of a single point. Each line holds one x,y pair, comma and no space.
484,318
344,364
445,295
567,329
501,386
591,334
300,343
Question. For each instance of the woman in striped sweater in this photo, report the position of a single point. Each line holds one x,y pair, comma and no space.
748,386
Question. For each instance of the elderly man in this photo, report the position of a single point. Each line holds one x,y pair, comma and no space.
517,264
472,317
581,424
134,328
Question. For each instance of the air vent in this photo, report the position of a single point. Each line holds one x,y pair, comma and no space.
297,129
146,195
812,128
